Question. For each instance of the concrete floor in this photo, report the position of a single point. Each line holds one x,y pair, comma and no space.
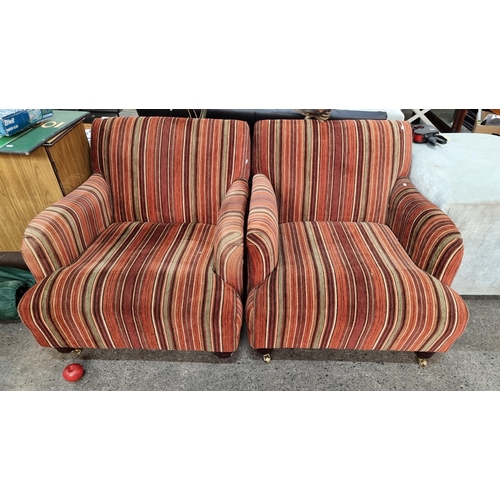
472,364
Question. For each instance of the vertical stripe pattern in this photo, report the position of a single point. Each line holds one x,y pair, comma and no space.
59,235
428,235
334,170
164,169
229,245
347,285
140,286
148,253
363,261
262,232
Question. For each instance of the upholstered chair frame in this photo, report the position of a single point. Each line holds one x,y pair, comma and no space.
148,253
343,251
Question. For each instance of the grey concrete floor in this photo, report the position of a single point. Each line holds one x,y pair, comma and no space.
472,364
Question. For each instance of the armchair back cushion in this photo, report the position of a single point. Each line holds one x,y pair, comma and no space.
170,170
358,160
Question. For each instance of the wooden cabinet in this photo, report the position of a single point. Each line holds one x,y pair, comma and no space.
29,183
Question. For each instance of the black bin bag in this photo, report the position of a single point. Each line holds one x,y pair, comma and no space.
13,283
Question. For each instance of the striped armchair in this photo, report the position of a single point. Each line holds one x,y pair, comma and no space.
343,251
148,252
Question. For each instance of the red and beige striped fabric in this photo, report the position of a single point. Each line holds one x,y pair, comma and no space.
229,245
169,169
350,223
60,234
428,235
348,285
262,231
139,286
334,170
148,253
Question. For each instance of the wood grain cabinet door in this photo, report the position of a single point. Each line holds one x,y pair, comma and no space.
31,183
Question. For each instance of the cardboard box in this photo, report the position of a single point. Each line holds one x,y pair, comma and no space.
13,121
486,129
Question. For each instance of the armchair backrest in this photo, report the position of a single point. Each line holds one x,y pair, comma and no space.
164,169
335,170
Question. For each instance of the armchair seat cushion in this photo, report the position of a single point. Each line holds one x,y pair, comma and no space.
351,285
140,285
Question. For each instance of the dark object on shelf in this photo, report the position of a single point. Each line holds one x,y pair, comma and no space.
98,113
251,116
179,113
470,119
13,284
442,126
427,133
13,259
319,114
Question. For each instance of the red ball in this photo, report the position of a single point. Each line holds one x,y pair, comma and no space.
73,372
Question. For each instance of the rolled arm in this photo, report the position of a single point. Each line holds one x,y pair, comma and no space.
60,234
262,231
428,235
229,235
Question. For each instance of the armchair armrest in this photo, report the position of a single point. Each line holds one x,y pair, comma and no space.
59,235
262,231
427,234
229,235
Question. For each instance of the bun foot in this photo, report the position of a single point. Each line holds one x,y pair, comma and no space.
64,350
68,350
223,355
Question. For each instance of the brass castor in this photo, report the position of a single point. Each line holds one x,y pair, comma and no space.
422,358
422,362
77,351
266,354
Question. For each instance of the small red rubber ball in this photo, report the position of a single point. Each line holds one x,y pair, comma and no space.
73,372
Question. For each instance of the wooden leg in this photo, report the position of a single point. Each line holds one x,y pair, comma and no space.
422,358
